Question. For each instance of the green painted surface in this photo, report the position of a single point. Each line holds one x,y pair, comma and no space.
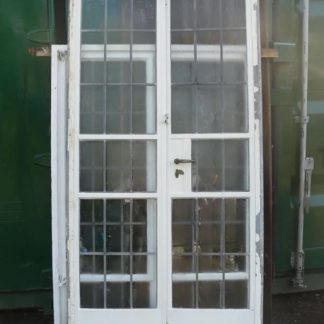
285,93
25,214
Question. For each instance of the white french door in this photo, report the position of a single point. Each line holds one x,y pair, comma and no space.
164,162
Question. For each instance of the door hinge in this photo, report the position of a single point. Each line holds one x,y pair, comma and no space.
166,119
61,280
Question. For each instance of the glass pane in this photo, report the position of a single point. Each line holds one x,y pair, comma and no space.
182,109
91,264
182,14
121,108
118,264
118,37
118,211
92,109
209,110
209,237
144,14
209,294
141,295
235,263
92,71
123,244
220,165
236,167
233,12
235,238
182,238
236,209
140,263
235,109
93,14
118,14
91,166
118,110
118,238
183,210
236,294
183,294
91,211
182,263
144,38
144,110
129,166
209,263
208,55
234,56
182,37
182,71
208,13
207,169
140,72
118,295
91,238
209,210
92,295
118,71
90,37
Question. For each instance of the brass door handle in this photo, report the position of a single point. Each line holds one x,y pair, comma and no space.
178,161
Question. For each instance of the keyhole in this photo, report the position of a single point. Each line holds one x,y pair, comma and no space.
178,172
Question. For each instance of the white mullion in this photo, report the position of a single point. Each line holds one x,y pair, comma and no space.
119,195
209,276
114,137
208,52
220,195
220,136
115,278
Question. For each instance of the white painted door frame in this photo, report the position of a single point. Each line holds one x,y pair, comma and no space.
164,313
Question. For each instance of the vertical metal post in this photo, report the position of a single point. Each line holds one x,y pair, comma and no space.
299,256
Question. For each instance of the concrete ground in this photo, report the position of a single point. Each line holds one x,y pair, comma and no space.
303,308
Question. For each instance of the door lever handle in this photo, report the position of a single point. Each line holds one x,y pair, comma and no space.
178,161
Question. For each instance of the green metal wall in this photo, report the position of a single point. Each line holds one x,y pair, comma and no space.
25,210
286,89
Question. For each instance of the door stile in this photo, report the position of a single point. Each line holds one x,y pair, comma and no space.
168,204
73,153
162,128
255,228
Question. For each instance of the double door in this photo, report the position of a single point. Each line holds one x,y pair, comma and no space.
164,162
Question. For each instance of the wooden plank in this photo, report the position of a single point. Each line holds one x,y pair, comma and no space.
269,53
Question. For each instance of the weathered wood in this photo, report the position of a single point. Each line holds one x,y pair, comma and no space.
269,53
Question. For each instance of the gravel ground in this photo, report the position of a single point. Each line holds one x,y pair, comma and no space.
305,308
302,308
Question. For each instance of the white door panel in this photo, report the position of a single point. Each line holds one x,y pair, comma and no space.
180,173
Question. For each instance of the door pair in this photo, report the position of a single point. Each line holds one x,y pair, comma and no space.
164,162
